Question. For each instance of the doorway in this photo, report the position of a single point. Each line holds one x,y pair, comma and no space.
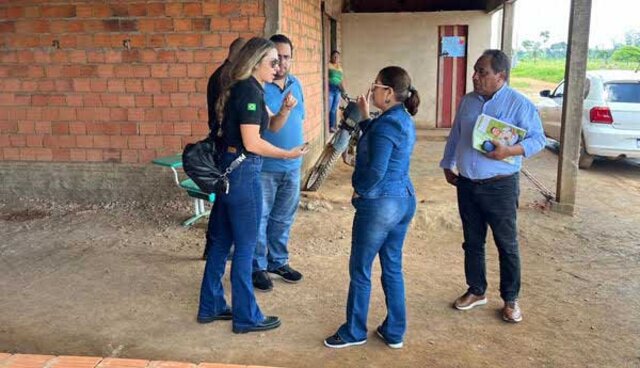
452,72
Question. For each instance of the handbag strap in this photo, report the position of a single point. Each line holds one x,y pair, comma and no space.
234,164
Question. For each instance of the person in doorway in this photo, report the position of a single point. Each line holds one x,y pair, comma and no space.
235,217
487,186
384,199
280,177
336,88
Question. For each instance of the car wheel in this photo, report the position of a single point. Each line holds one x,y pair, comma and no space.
585,160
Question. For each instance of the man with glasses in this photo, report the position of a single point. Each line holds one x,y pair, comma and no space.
488,186
280,178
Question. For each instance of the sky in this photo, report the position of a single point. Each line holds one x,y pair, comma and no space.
610,19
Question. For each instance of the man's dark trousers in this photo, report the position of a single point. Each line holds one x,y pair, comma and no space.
494,203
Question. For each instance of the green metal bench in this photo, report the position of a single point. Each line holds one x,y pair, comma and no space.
174,162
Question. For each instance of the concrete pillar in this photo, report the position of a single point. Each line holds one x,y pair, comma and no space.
272,24
508,14
570,133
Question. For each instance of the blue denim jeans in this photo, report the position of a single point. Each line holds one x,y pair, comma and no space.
280,198
334,102
379,228
234,219
495,204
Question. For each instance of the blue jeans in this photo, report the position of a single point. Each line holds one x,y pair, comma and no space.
379,228
334,102
280,198
495,204
234,219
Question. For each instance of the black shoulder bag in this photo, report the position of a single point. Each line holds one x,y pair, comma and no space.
199,163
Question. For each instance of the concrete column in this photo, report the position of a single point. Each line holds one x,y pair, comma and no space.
570,133
508,14
273,12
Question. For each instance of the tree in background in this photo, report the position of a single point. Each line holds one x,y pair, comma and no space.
545,37
627,54
557,50
632,38
532,48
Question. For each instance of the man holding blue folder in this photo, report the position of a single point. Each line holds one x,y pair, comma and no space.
280,178
487,186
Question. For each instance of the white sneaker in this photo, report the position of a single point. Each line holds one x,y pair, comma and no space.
397,345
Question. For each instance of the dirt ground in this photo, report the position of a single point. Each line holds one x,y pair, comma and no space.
123,280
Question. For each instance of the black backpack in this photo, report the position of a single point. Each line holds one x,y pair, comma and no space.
199,162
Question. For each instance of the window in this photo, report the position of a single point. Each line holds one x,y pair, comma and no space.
622,92
559,91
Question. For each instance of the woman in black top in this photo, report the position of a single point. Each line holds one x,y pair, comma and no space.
235,216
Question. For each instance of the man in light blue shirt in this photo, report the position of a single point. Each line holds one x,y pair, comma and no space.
487,186
280,178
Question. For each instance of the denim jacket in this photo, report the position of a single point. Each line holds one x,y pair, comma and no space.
383,155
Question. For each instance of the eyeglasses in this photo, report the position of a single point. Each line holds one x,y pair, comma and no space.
378,85
274,63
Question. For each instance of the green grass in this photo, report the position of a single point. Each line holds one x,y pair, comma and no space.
519,84
552,70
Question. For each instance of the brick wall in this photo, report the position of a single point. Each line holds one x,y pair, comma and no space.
114,81
94,113
301,21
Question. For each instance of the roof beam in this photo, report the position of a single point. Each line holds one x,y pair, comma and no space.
493,5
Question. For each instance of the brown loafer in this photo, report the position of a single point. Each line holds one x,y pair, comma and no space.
511,312
469,300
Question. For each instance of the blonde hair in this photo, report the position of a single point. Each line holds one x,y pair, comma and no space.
243,66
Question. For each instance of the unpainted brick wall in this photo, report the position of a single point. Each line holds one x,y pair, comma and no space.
301,21
112,81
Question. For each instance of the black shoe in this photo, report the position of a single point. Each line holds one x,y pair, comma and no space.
262,281
224,316
269,323
288,274
336,342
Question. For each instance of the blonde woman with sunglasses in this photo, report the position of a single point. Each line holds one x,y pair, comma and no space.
236,215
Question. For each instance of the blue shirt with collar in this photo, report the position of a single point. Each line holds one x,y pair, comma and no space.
507,105
291,134
384,154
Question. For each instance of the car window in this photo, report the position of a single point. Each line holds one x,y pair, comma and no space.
622,92
559,91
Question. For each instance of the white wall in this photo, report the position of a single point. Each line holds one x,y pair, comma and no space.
410,40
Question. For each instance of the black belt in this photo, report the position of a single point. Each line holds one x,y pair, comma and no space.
232,149
487,180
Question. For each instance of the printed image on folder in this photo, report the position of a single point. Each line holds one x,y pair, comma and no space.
488,128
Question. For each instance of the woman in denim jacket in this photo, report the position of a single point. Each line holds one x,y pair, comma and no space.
385,203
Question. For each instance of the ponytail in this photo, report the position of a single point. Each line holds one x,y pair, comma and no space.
412,102
398,79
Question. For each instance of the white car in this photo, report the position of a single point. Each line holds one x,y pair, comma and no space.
610,117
